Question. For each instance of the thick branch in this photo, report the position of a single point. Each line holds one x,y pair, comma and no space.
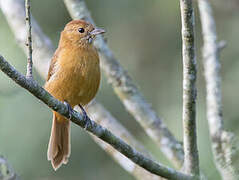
129,94
191,160
102,133
29,39
223,143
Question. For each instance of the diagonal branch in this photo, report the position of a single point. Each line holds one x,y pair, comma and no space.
129,94
191,160
32,86
223,142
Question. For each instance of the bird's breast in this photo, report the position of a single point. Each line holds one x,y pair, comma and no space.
78,77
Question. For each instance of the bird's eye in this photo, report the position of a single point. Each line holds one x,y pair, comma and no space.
81,30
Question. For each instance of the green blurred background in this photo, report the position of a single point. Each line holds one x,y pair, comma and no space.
145,36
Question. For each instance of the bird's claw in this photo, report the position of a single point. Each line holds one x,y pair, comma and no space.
69,108
85,117
83,112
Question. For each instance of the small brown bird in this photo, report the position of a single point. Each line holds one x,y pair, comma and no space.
73,77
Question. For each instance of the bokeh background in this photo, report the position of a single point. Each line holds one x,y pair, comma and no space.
145,36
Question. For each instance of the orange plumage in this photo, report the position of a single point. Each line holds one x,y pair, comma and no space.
74,77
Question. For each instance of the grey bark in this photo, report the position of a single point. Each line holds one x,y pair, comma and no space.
224,144
191,160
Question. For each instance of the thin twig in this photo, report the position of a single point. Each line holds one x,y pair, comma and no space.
129,94
223,142
29,39
43,51
32,86
191,160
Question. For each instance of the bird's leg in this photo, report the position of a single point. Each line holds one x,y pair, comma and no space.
69,108
83,112
85,117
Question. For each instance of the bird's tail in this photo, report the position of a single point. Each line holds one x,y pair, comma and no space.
59,143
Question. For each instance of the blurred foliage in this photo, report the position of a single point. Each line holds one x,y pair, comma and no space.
145,36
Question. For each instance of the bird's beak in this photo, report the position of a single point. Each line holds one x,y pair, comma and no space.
97,31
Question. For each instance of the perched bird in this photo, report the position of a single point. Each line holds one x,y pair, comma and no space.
73,77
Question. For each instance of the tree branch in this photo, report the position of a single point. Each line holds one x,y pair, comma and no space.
129,94
32,86
29,39
191,160
223,142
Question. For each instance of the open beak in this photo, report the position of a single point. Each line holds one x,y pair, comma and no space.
97,31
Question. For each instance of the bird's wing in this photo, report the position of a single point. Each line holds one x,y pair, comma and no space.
53,64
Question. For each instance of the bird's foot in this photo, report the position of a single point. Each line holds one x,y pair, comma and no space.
69,108
85,117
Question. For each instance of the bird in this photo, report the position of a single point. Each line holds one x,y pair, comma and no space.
73,78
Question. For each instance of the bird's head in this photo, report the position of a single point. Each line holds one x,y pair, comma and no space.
80,32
